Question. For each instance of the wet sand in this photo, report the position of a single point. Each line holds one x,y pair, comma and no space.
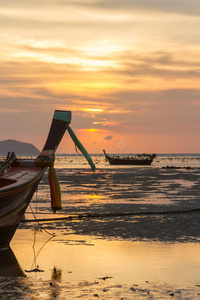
76,266
171,195
151,254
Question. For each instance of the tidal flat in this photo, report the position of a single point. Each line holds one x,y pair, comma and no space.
123,233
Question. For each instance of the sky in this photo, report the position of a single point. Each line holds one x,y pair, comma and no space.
128,70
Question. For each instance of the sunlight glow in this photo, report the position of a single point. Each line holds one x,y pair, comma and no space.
92,130
93,109
103,47
107,123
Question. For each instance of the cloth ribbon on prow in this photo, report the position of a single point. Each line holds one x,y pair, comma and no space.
81,148
53,180
48,156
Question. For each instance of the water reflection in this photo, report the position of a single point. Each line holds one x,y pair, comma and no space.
74,265
9,266
56,276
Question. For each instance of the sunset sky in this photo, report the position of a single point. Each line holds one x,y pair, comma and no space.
128,70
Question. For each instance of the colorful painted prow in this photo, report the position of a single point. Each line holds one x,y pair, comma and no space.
19,179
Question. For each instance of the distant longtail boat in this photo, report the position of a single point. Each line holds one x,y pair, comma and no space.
138,159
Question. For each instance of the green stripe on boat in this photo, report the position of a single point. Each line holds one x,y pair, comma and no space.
62,116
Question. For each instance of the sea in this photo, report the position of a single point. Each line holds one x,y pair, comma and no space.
124,232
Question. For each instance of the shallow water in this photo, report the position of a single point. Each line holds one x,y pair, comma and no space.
74,266
151,253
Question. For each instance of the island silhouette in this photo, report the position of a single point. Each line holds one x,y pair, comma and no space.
20,148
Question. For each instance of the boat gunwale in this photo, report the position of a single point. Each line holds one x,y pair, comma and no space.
8,190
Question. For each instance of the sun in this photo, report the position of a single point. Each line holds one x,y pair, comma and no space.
92,130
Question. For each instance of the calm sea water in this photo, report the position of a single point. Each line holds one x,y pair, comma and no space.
182,160
78,161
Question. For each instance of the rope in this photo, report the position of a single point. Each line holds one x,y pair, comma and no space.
108,215
37,220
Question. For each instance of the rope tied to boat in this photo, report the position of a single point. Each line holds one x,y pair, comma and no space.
47,154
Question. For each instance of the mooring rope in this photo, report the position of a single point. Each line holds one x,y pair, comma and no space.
108,215
35,218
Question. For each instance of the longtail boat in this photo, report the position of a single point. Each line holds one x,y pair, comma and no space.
19,178
138,159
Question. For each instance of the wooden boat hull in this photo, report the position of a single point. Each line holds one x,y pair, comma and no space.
13,204
142,160
136,162
19,178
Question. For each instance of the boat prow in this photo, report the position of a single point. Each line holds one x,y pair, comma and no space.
19,178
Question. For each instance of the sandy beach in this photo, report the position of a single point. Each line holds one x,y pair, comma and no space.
125,233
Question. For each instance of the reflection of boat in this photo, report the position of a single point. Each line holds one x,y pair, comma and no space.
138,159
19,178
9,265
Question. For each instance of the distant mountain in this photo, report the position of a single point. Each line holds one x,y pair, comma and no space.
19,148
